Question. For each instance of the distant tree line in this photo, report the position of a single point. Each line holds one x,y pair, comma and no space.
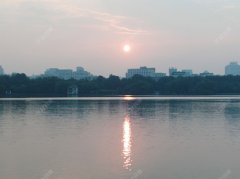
19,85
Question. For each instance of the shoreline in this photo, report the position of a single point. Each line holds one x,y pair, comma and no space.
129,97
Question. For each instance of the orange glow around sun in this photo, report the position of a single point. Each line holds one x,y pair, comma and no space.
127,48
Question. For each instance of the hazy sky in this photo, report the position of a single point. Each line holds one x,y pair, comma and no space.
187,34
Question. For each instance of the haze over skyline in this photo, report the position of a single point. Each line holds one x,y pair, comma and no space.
190,34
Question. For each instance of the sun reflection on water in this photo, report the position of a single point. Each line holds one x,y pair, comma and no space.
127,144
128,98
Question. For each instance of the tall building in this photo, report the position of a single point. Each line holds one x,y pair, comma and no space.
67,74
172,71
1,70
144,71
232,69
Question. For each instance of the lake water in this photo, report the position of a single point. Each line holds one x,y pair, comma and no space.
120,138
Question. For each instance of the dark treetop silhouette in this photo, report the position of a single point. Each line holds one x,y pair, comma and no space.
19,85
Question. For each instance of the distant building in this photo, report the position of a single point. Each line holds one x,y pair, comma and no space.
178,74
206,73
1,70
172,71
144,71
232,69
160,75
187,73
67,74
184,73
51,72
80,74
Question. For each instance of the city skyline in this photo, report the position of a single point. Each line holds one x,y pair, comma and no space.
58,33
65,68
233,68
6,71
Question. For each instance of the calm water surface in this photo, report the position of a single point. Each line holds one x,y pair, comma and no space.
120,138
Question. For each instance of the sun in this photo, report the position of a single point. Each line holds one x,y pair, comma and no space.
126,48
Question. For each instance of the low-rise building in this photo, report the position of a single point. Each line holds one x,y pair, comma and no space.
80,74
160,75
51,72
66,74
206,73
187,73
184,73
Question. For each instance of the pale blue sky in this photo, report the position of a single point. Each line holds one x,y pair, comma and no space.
188,34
